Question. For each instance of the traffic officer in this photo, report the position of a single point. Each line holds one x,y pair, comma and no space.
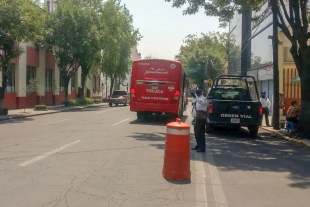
200,123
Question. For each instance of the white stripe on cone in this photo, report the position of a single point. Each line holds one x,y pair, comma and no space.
178,132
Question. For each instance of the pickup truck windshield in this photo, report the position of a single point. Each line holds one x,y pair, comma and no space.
230,94
119,93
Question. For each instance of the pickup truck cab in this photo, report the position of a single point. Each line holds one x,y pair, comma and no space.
119,97
231,104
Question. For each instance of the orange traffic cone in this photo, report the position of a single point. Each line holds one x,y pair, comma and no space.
177,151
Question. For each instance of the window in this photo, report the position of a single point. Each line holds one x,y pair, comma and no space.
230,94
73,83
61,82
10,87
49,80
31,79
119,93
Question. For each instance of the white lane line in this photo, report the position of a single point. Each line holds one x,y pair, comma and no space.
103,111
200,175
24,164
120,122
201,192
219,195
56,122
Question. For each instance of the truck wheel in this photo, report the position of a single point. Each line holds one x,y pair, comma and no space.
116,104
139,115
110,104
125,104
253,131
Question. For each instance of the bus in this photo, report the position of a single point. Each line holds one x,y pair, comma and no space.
158,86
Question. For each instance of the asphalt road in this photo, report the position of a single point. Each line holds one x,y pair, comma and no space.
105,157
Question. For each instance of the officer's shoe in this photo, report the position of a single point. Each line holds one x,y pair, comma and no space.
201,150
195,148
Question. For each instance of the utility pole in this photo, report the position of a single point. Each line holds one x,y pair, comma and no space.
246,40
275,43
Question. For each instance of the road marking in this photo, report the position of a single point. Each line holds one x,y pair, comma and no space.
120,122
219,195
201,192
200,175
103,111
24,164
56,121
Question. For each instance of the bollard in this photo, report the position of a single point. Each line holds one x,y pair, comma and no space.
177,151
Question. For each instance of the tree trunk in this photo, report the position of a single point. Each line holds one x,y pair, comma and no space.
66,85
2,93
85,72
304,122
112,85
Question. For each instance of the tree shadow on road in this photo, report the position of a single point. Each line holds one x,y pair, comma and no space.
268,153
15,120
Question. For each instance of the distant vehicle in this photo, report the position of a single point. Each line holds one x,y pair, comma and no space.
119,97
158,86
230,103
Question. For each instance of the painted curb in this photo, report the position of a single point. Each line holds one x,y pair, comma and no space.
291,140
54,112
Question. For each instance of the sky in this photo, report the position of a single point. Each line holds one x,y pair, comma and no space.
164,28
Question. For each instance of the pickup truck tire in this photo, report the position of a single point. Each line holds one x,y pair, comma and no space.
110,104
116,104
125,104
253,131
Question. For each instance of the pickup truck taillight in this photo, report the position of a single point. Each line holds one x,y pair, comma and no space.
132,93
108,97
176,95
210,108
260,110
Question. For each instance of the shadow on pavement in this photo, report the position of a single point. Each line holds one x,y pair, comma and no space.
233,152
161,120
15,120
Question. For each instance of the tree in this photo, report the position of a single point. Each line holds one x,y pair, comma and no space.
149,57
206,54
73,32
20,21
118,42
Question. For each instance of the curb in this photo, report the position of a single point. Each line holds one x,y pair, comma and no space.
291,140
53,112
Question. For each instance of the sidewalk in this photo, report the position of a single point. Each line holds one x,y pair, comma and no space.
284,135
23,113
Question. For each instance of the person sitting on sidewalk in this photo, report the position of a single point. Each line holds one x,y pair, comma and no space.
293,113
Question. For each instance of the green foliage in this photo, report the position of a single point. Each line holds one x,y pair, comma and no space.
82,102
40,107
206,54
223,9
97,101
119,40
20,20
88,92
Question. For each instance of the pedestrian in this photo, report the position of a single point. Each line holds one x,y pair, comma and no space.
200,121
266,105
293,113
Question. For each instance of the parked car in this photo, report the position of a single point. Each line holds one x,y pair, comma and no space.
119,97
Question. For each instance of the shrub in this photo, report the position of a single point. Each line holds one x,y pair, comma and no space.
89,101
4,111
105,100
40,107
88,93
97,101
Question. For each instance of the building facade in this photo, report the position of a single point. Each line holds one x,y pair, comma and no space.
35,79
